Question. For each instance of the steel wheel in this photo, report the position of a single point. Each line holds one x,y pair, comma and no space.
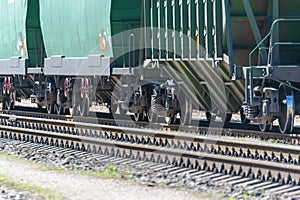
84,107
73,111
287,109
264,127
170,119
138,116
122,112
11,100
152,117
59,109
210,116
50,109
10,104
112,107
226,117
4,101
186,112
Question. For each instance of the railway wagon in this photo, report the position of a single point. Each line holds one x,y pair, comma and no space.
225,57
154,58
64,60
21,49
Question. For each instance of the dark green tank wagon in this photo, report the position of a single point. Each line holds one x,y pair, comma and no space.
21,45
82,44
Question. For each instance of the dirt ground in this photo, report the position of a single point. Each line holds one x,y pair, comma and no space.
77,186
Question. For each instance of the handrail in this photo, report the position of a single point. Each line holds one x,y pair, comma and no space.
257,46
271,36
259,53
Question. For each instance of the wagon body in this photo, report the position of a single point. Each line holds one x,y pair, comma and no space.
20,36
205,44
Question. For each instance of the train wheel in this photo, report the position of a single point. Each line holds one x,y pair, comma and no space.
138,116
73,111
84,107
152,117
186,112
264,127
11,100
122,111
112,107
226,117
4,101
287,109
170,119
82,88
210,116
49,95
50,108
59,109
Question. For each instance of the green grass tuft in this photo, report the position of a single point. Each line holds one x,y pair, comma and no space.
110,172
246,196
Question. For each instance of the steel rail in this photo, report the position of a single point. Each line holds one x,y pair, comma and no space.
214,139
232,129
290,173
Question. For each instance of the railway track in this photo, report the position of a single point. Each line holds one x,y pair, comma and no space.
199,177
197,127
272,165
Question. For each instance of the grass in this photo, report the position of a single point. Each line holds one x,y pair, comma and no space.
12,157
110,173
246,196
44,193
262,191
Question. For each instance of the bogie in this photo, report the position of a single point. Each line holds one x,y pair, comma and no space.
154,60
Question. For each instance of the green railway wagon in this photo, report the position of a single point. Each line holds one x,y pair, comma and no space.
83,43
88,45
227,56
20,36
21,49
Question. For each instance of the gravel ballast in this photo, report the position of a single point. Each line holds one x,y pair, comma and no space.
136,183
77,186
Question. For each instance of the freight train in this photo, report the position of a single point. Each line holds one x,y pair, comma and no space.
154,58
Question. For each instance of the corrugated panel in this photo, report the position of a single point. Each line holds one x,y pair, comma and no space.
12,28
75,28
184,29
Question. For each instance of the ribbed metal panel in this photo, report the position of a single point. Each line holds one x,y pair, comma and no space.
184,29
